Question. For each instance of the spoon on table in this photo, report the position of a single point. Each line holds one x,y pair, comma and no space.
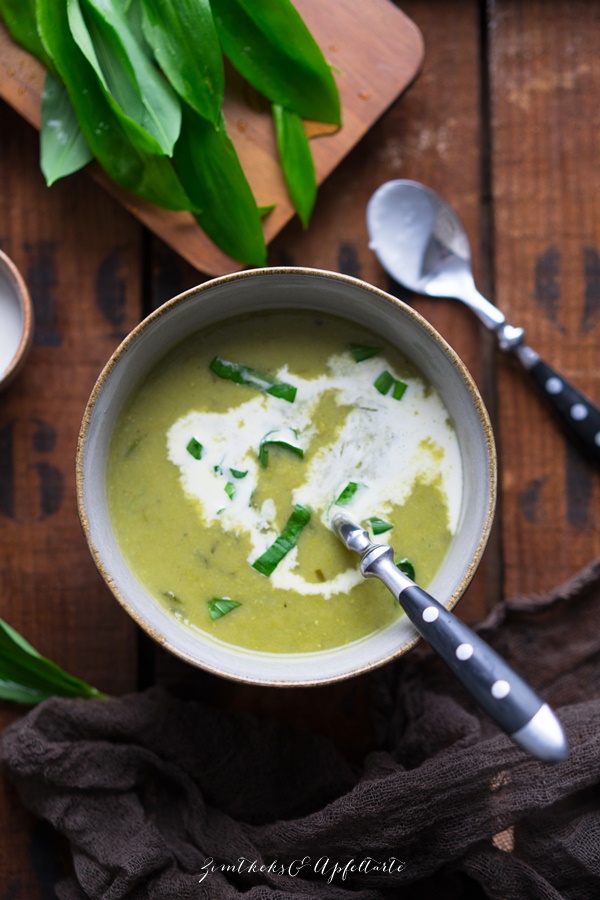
420,241
503,694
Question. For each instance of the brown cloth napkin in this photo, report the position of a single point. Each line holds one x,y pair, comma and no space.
164,798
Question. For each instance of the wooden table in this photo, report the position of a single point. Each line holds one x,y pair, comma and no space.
504,122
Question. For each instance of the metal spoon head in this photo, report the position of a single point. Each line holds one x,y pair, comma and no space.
350,532
417,237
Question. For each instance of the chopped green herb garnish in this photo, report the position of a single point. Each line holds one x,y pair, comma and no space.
360,352
347,494
235,473
270,559
379,526
399,388
194,448
218,470
283,437
283,391
386,380
220,606
244,375
230,490
407,567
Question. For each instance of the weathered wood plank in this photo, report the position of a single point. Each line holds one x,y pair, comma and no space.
545,79
79,254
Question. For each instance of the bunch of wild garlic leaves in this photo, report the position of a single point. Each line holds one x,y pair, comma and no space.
138,85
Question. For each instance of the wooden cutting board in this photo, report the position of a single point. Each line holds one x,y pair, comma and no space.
375,52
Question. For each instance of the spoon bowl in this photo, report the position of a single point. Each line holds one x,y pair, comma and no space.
420,241
416,235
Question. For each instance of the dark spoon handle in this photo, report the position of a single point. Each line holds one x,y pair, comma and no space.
503,694
497,688
491,681
578,412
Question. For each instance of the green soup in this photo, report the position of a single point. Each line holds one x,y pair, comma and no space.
205,472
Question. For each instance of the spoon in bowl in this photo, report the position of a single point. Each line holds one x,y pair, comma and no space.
503,694
420,241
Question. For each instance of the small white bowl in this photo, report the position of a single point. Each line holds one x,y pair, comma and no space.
254,291
16,320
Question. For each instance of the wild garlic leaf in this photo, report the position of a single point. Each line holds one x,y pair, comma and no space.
210,172
28,677
184,41
63,148
126,71
269,44
296,161
106,129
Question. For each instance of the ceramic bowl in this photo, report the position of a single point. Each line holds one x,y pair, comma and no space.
254,291
16,320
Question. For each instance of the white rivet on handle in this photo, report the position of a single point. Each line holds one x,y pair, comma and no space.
579,412
464,651
430,614
554,385
500,689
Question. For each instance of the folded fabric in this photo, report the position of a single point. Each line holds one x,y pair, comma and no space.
164,798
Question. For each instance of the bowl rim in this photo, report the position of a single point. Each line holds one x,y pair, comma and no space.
209,284
8,268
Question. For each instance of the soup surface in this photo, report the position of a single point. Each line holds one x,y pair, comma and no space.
224,465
